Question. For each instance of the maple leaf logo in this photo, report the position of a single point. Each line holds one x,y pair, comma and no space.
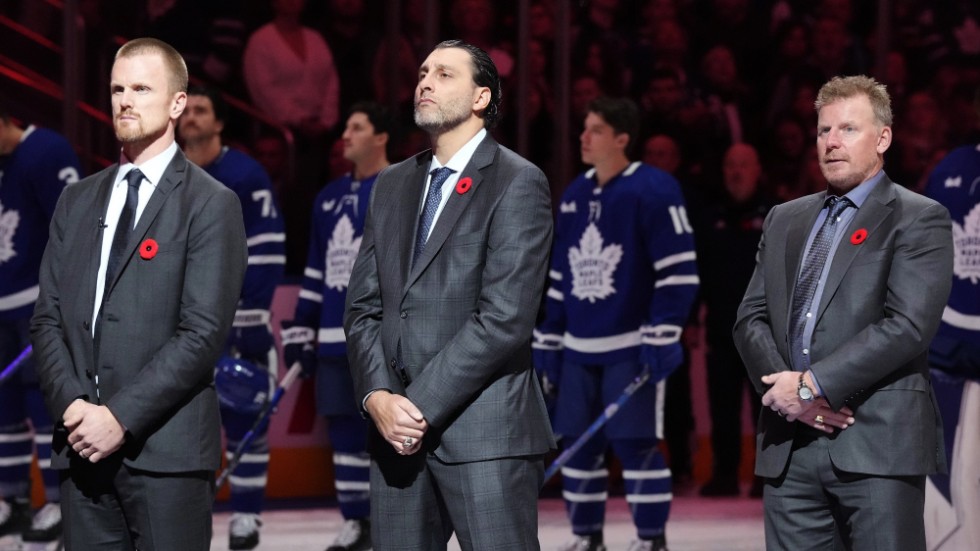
966,247
8,227
593,265
341,253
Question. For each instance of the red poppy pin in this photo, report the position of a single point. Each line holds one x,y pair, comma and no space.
464,185
859,236
148,249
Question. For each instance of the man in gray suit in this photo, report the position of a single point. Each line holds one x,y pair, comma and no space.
834,329
440,308
138,288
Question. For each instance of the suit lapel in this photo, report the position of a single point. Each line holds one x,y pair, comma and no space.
93,241
870,216
409,199
456,205
172,177
796,235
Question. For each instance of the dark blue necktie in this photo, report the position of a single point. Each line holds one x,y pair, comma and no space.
806,285
432,199
125,226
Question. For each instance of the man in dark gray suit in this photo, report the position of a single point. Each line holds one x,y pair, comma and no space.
440,309
834,329
138,288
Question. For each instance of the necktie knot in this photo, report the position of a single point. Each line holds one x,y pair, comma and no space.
134,178
439,177
432,199
836,206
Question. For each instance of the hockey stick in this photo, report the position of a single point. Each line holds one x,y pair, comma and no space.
610,410
9,371
264,415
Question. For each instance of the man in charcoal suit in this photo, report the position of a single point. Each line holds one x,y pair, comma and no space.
138,288
440,308
834,330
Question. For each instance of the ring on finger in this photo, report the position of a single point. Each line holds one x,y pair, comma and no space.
408,442
818,419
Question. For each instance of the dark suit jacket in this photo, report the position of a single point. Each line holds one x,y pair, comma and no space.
880,307
464,313
164,320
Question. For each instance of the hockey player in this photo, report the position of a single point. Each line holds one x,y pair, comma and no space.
622,282
251,336
338,223
953,500
35,165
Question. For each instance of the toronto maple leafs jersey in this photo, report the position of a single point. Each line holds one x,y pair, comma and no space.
31,180
264,230
623,271
338,224
955,182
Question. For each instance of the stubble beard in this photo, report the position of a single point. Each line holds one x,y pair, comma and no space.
442,120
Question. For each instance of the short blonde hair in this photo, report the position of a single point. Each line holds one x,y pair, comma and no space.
172,59
839,88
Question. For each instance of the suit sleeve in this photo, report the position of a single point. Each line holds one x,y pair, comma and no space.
363,316
52,358
753,331
214,269
519,238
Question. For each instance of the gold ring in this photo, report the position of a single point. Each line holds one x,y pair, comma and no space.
818,419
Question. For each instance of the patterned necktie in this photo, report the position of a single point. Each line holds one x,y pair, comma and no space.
432,199
125,225
806,285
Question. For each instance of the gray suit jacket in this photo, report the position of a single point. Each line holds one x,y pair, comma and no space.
880,307
164,320
463,315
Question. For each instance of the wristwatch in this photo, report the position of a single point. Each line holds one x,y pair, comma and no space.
803,391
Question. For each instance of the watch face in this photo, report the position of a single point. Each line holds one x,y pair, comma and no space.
806,393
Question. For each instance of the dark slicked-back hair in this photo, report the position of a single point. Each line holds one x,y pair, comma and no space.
621,114
377,114
177,69
484,74
218,103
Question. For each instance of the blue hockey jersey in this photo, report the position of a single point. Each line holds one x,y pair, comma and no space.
955,182
264,230
623,272
31,180
338,224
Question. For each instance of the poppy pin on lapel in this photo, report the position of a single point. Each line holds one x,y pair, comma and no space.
148,249
464,184
859,236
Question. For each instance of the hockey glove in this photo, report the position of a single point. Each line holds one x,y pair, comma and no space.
297,346
252,343
663,360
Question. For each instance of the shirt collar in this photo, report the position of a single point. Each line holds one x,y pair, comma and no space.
860,193
152,169
462,157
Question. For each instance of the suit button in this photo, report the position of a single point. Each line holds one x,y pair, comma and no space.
87,325
88,373
404,314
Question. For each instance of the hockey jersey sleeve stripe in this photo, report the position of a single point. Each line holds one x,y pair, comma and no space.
22,298
677,280
267,259
265,238
555,275
961,320
602,344
311,296
546,341
555,294
297,335
251,318
689,256
313,274
331,335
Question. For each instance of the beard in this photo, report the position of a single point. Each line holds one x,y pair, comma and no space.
444,117
132,132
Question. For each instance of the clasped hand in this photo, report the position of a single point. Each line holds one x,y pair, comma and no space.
398,420
93,431
783,398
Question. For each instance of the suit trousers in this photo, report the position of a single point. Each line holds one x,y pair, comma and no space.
109,506
489,504
815,506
